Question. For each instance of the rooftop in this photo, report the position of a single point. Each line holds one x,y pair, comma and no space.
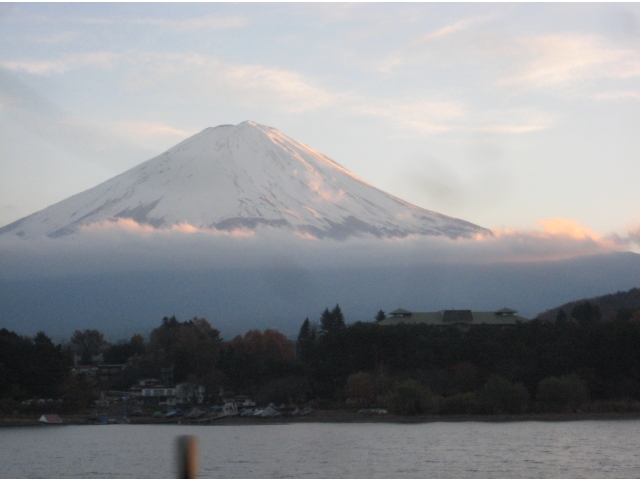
504,316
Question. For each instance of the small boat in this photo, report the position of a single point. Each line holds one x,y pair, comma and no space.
50,419
270,411
230,409
195,412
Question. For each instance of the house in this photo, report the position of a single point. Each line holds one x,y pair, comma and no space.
460,318
96,358
110,375
189,393
88,370
151,392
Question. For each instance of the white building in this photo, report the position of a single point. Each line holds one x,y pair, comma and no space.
189,393
150,392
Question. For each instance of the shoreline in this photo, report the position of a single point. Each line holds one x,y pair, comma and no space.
333,416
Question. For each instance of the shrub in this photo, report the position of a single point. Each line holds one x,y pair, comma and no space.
361,387
560,394
411,398
499,395
284,390
460,404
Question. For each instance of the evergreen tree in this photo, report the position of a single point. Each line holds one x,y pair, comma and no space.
380,316
306,339
326,322
586,313
314,332
122,351
331,321
338,317
305,331
189,348
88,343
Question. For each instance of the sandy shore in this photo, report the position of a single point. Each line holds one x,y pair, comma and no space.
328,416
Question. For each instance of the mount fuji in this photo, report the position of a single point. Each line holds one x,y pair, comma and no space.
154,242
243,177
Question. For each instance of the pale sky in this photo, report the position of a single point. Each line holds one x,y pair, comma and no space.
503,115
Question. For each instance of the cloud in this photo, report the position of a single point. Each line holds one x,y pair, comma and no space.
7,9
630,238
146,130
558,238
440,184
102,60
297,92
633,236
206,76
513,121
124,245
429,44
48,121
50,38
456,27
430,117
250,84
620,95
567,227
189,24
511,129
293,92
560,59
127,226
208,22
16,94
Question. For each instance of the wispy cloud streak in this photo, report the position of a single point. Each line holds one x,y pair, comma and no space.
560,59
206,22
102,60
456,27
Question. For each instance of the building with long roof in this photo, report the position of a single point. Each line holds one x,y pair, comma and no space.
459,318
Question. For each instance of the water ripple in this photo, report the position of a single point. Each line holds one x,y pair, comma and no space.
581,449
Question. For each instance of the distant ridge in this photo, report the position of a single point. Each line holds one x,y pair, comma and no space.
608,304
246,176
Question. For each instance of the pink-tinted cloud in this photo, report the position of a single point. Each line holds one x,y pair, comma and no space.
555,239
125,245
131,227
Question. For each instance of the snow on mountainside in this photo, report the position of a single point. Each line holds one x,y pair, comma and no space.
242,177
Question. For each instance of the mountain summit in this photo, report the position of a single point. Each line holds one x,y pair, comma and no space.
242,177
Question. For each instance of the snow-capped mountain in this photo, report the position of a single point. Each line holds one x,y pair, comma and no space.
242,177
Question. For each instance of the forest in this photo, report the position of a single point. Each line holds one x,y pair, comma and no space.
578,362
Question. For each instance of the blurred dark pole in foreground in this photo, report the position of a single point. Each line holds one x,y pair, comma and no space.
187,447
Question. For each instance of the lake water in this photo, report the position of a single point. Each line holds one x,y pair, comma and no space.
574,449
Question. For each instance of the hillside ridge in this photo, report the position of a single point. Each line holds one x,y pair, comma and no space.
608,304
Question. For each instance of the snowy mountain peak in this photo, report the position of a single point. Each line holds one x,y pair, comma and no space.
242,176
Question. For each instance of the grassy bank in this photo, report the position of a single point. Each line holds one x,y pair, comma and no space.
330,416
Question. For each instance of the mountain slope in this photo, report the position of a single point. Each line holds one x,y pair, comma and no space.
608,304
242,177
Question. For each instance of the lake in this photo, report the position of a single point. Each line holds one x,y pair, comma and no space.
590,448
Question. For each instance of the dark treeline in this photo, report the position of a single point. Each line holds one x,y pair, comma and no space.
43,375
579,362
533,366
